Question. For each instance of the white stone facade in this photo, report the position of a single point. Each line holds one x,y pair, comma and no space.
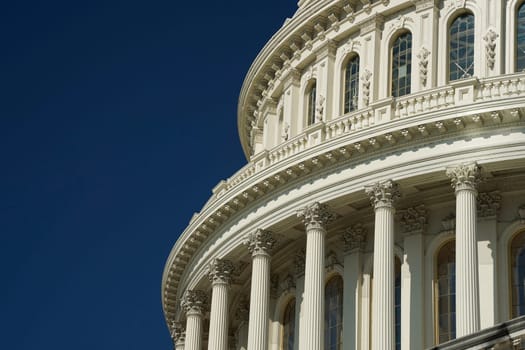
332,193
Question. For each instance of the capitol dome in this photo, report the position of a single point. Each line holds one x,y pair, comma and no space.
382,205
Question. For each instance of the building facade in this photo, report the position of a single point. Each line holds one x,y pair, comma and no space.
383,202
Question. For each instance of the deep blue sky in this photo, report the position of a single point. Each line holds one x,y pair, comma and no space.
116,120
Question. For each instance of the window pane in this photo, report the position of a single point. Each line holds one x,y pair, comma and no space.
446,292
461,47
311,104
520,38
401,65
351,85
517,251
334,313
289,326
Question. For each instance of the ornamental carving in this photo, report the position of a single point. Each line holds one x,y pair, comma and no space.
221,271
423,65
449,222
465,176
489,203
490,47
288,284
177,331
194,301
274,285
332,261
354,238
260,242
319,108
383,193
316,215
413,219
365,78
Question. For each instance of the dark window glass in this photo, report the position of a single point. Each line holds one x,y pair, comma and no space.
461,47
289,326
311,104
517,251
397,303
351,84
401,65
334,314
446,292
520,38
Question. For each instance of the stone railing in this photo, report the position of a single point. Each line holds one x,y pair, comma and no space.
462,93
508,335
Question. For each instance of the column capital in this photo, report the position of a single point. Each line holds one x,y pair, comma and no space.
489,204
383,193
413,219
260,242
177,332
465,176
194,302
316,215
354,238
220,271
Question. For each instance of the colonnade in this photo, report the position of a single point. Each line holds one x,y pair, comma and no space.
316,217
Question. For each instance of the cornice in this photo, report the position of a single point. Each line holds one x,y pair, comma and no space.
361,144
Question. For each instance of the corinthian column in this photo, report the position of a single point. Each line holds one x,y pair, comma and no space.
177,335
465,178
219,273
259,244
194,302
315,218
383,194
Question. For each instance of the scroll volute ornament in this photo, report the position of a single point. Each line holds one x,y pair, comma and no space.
195,301
260,242
221,271
316,215
465,176
383,193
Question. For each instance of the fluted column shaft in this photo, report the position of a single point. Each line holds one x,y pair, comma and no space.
259,244
383,195
219,272
314,288
315,217
465,179
193,331
194,302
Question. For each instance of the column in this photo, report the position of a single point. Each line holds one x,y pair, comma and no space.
383,194
315,217
414,223
488,207
465,178
355,242
259,244
177,335
194,302
299,261
219,273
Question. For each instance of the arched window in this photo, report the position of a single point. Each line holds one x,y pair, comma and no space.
401,65
351,84
517,273
445,292
334,314
397,301
310,103
461,47
520,38
289,326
